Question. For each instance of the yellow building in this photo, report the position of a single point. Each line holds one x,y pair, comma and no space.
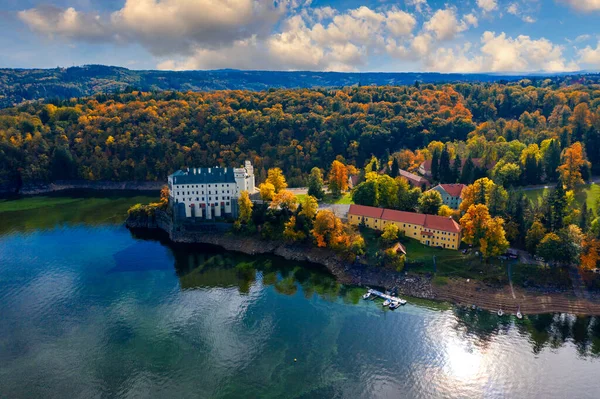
432,230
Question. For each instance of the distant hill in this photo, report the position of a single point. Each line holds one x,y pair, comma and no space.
20,85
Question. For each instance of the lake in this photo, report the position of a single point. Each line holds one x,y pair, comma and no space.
89,309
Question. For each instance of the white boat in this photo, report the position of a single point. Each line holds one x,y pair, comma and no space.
367,295
387,302
403,302
500,313
394,305
519,315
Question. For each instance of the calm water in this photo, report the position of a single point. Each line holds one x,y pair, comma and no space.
89,310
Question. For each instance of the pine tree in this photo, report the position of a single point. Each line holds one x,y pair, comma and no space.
558,206
395,171
444,170
552,160
456,169
468,172
435,166
585,217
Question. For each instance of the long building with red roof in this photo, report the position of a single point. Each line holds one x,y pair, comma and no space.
432,230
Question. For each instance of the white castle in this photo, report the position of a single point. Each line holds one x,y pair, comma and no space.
209,192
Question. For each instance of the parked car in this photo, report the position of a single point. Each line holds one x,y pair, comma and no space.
596,270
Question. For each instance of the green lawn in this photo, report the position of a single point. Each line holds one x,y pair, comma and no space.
345,199
589,193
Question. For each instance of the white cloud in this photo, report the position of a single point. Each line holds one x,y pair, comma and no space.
487,5
400,23
583,5
444,24
590,56
418,4
290,35
69,23
522,53
471,19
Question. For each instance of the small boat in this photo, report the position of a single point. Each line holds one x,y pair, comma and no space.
402,302
387,302
519,314
500,313
394,305
473,307
367,295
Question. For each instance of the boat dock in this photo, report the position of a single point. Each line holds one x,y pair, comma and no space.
386,296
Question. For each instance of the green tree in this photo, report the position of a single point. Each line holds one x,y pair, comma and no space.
430,202
535,234
395,171
366,193
315,183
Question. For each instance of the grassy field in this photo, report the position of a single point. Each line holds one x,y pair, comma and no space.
589,193
345,199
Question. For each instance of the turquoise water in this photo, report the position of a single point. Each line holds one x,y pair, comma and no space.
89,309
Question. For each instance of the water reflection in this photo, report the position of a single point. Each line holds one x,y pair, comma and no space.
203,266
68,208
545,331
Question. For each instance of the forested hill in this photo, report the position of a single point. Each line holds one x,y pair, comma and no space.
19,85
144,136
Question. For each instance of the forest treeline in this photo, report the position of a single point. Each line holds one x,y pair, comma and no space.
147,135
22,85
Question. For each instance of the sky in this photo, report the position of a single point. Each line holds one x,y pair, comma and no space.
317,35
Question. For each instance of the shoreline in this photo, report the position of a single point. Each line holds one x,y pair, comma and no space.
63,185
457,291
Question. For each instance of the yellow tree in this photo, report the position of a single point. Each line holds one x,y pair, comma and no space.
285,200
267,191
164,195
310,206
390,232
476,193
277,179
591,253
573,159
474,222
494,242
479,228
338,178
245,207
327,229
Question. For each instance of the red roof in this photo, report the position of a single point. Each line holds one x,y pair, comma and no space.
454,190
413,179
476,161
367,211
441,223
427,221
403,217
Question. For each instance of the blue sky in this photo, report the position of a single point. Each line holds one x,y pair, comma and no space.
349,35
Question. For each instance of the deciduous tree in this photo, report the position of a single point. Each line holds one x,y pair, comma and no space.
430,202
338,178
245,208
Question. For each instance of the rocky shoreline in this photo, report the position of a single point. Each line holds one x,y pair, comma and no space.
457,291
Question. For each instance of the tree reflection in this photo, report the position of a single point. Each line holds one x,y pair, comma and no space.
551,331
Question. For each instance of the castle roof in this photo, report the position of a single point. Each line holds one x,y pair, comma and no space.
204,176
